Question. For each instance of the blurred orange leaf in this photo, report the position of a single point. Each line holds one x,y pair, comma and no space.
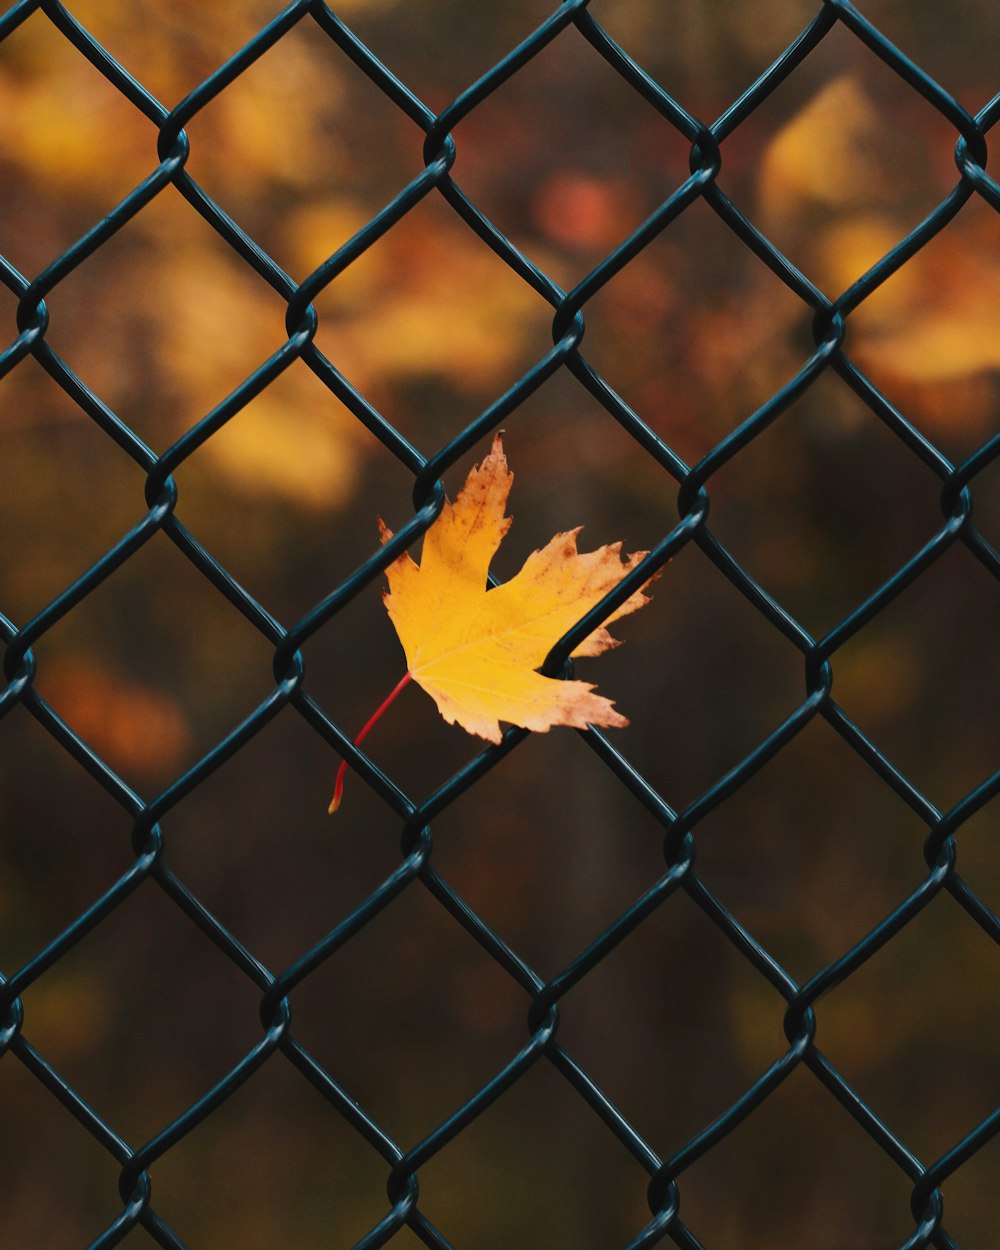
130,725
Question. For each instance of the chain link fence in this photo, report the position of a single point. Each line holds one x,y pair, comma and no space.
404,1162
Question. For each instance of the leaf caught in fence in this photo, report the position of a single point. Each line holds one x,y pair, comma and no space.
475,650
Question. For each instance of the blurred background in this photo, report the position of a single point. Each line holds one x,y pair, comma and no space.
153,668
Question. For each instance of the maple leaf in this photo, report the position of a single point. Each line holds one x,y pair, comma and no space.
475,649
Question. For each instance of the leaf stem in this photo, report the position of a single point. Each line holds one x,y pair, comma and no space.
338,789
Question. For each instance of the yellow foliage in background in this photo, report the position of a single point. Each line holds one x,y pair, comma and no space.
931,322
823,154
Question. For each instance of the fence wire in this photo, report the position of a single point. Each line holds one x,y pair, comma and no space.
151,868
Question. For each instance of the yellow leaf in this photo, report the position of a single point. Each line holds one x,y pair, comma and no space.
474,650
